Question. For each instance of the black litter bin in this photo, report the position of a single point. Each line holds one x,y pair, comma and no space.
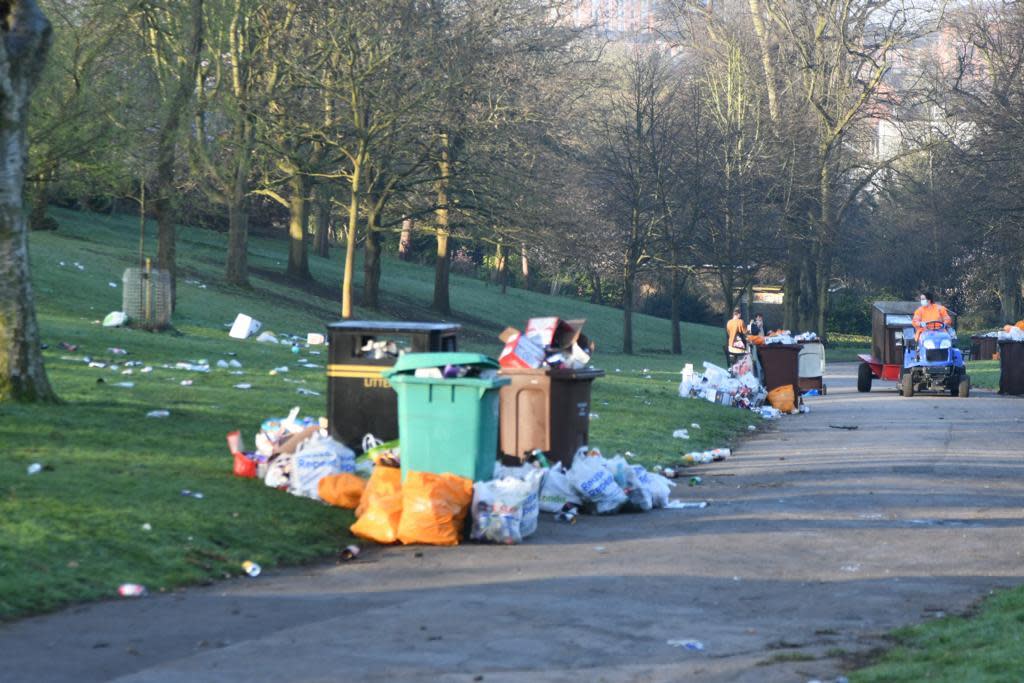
359,400
1011,368
983,348
781,365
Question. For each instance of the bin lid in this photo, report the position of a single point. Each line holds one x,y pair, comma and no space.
411,362
391,326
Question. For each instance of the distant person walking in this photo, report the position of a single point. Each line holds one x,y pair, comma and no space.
756,328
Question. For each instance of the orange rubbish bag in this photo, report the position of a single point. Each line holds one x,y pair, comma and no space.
434,507
783,398
343,490
380,508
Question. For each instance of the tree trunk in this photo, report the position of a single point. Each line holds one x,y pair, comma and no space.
25,41
1010,290
350,237
321,218
237,270
442,266
405,241
167,141
298,217
627,310
371,257
676,295
37,219
596,295
525,269
791,290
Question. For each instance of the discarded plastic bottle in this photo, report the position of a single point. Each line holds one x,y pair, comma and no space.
696,481
350,552
131,590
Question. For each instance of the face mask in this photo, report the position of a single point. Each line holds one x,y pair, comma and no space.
924,302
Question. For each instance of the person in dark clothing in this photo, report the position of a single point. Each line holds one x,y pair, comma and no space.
757,326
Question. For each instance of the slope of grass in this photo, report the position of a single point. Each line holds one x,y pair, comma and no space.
984,373
76,530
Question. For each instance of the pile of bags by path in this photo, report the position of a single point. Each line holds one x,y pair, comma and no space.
737,387
298,456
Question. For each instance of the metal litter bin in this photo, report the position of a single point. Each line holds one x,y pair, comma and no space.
983,348
447,425
546,409
1011,368
359,400
780,364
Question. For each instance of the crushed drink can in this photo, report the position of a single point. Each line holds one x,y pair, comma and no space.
251,568
350,552
131,590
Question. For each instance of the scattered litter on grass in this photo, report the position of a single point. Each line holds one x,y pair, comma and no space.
850,427
302,391
115,319
251,568
148,368
349,552
127,371
315,339
244,326
131,590
201,366
112,285
275,371
222,364
687,644
595,416
35,468
234,363
751,428
158,413
188,493
124,385
680,434
267,338
686,505
97,364
79,265
243,385
186,382
71,348
694,425
147,527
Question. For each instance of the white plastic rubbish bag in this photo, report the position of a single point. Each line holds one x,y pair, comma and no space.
638,488
534,476
498,510
556,491
660,488
318,457
595,483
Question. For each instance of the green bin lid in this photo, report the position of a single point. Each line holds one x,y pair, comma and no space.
411,362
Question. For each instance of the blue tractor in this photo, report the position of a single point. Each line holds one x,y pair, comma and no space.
933,363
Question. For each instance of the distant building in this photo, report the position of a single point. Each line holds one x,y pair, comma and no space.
615,18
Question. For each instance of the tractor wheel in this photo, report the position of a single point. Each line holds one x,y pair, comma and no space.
964,389
864,378
907,384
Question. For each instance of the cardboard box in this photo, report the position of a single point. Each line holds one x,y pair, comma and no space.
556,333
244,327
520,351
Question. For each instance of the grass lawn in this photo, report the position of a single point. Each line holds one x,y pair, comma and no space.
76,532
845,347
986,647
984,373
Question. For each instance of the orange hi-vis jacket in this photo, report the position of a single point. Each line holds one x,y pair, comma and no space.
931,313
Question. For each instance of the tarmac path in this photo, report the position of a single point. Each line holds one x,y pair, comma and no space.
817,541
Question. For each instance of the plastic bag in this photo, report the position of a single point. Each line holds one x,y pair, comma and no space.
343,490
783,398
498,510
596,484
434,506
660,488
279,471
534,476
380,508
556,491
638,488
316,458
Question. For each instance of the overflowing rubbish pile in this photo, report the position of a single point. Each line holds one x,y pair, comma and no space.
547,343
295,454
1009,332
